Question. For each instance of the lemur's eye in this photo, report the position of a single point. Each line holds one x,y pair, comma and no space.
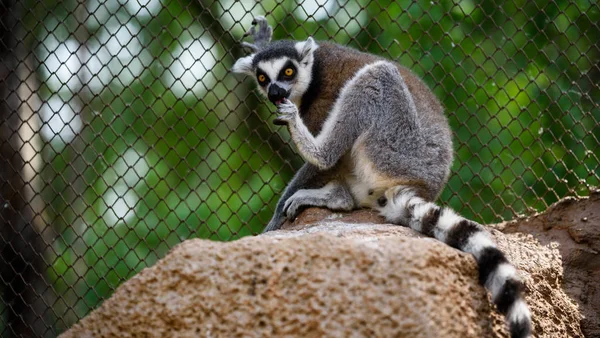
288,72
262,78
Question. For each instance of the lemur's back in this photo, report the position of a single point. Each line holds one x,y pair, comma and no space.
329,81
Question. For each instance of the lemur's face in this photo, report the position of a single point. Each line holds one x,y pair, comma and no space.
283,70
281,78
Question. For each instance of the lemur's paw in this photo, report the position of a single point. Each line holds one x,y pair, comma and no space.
260,32
287,111
293,206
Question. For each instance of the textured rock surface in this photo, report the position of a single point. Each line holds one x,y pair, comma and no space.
326,276
575,225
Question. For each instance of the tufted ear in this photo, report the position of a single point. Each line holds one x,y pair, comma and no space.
243,65
306,48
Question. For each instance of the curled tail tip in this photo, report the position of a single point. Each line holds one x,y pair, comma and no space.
520,329
519,320
501,278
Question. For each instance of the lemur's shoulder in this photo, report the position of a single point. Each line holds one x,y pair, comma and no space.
333,66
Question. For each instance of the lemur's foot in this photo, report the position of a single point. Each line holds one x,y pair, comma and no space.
288,112
294,205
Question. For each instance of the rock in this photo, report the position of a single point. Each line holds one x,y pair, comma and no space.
573,224
330,274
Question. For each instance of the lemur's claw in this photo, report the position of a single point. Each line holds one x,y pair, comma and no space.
291,209
296,203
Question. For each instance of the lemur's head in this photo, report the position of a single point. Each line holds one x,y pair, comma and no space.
282,69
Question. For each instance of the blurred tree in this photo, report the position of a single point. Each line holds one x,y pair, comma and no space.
21,249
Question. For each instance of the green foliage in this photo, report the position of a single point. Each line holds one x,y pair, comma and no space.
160,159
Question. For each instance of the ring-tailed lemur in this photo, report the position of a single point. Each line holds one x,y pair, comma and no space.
382,141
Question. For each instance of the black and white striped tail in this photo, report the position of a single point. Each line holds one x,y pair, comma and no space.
402,206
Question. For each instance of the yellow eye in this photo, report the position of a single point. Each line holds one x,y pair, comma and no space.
261,78
289,72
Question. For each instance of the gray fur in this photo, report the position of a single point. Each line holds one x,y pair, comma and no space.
302,179
261,33
308,177
404,142
334,196
373,135
377,105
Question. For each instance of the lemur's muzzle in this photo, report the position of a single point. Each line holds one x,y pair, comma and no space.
277,94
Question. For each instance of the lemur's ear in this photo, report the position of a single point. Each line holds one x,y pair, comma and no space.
243,65
306,48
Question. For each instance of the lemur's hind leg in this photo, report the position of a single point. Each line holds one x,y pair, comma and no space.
333,196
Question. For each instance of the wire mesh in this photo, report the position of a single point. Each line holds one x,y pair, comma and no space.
123,133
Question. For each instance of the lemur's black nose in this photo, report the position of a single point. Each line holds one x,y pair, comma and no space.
277,93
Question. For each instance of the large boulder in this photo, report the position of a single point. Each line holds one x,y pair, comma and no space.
332,274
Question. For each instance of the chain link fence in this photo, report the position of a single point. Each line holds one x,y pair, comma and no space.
123,133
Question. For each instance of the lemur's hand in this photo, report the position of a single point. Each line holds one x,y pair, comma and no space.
288,112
